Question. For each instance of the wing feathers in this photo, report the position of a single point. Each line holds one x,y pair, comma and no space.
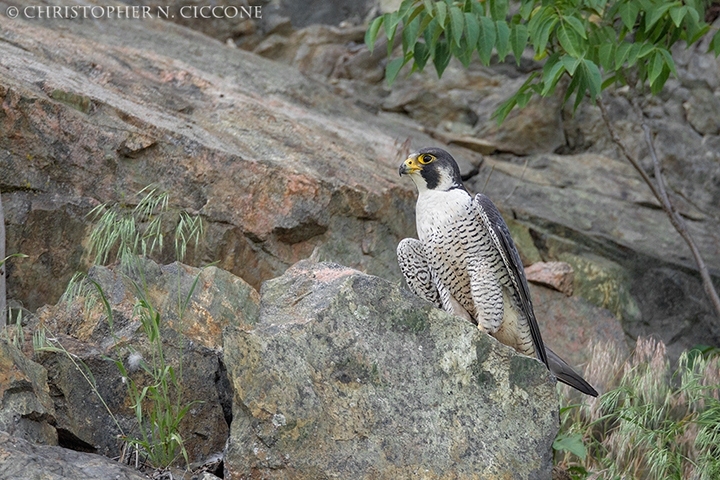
488,212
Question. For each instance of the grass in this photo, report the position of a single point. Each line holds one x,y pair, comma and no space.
654,421
127,235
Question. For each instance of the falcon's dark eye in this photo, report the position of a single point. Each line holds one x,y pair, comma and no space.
425,158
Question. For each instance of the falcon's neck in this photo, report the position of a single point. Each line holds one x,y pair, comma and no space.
437,210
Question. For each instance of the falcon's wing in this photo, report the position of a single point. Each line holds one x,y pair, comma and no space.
416,270
495,224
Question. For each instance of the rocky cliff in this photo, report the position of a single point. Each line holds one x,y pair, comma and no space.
296,153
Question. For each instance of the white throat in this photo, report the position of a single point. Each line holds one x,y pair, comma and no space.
436,210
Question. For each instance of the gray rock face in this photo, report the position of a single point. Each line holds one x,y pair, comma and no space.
348,376
20,459
26,409
277,164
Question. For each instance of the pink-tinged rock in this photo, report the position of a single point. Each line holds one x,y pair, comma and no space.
572,325
556,275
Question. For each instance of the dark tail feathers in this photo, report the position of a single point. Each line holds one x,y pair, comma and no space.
567,375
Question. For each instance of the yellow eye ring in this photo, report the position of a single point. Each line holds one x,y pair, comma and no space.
425,158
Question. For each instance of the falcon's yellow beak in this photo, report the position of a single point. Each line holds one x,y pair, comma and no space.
410,165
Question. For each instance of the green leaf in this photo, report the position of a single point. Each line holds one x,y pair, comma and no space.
502,44
654,14
486,42
526,9
538,17
593,78
432,34
657,87
715,44
668,60
409,35
472,28
571,443
390,24
570,64
498,9
632,55
428,6
605,56
621,54
441,15
441,58
645,50
573,87
421,55
628,13
570,40
576,24
518,40
506,107
457,22
677,14
372,32
695,30
543,36
393,68
655,68
552,71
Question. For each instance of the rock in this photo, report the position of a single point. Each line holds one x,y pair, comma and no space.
22,459
537,128
308,12
674,310
573,326
191,343
26,410
277,164
556,275
348,376
702,109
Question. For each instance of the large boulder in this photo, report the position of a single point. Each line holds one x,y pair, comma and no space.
347,376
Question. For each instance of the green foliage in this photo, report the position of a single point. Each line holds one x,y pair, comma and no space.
127,234
596,43
14,334
653,422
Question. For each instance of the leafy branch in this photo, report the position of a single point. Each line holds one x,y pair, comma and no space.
628,40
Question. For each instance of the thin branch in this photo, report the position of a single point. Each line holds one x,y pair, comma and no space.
517,184
660,193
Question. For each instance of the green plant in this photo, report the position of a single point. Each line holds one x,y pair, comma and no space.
14,335
653,421
595,43
128,235
629,40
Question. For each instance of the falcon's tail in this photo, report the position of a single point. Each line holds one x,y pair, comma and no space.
567,375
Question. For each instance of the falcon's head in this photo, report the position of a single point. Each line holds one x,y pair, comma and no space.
432,169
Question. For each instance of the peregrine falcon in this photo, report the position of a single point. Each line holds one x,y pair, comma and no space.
465,262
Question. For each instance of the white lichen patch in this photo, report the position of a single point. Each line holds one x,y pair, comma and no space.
278,420
457,361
